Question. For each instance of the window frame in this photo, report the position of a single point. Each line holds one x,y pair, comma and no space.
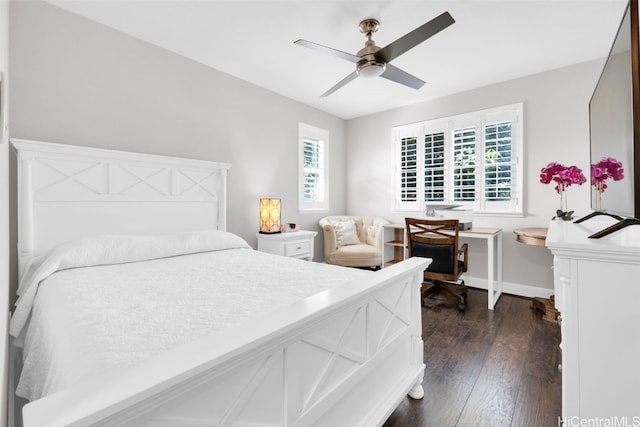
307,132
481,120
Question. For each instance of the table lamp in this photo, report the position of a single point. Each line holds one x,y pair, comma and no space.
269,216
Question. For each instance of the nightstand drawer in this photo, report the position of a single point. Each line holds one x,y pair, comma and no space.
297,248
294,244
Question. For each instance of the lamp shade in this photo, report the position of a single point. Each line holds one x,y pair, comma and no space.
269,216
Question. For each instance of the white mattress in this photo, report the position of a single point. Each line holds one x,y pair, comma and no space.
89,320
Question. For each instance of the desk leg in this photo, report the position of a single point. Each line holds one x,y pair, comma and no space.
498,290
494,269
490,271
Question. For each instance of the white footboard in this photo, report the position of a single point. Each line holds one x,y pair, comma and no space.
346,356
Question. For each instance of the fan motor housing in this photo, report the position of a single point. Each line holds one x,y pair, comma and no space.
369,66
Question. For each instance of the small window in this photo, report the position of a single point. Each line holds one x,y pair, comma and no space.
472,160
313,191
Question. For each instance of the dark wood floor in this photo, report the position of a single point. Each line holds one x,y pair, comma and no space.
486,368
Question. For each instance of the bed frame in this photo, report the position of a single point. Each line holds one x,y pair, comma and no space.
346,356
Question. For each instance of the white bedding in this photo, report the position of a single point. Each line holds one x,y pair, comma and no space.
94,307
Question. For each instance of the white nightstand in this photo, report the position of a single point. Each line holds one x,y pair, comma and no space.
294,244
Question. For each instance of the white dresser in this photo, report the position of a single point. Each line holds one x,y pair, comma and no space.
294,244
597,291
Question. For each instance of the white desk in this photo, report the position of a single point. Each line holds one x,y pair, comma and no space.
395,239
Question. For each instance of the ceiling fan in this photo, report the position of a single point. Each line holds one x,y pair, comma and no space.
373,61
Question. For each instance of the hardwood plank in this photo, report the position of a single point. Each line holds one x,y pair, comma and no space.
492,401
442,404
473,349
486,368
446,393
543,357
538,402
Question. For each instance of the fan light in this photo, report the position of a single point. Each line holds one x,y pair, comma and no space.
370,69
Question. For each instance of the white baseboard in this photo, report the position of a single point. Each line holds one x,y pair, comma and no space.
510,288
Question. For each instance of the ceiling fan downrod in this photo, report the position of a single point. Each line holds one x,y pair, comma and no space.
369,66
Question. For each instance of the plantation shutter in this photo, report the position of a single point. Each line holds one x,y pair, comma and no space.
435,183
464,164
314,167
408,169
472,160
498,165
502,171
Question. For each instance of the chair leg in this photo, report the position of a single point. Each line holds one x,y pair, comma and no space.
456,294
427,290
453,292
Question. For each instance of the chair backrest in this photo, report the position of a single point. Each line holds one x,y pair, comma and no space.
438,240
369,229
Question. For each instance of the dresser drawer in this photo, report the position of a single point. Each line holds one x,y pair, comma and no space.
297,248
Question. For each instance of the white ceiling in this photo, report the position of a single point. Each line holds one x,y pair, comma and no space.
491,41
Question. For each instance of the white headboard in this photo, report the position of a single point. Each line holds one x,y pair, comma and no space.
66,192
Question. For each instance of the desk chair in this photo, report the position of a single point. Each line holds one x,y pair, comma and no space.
438,240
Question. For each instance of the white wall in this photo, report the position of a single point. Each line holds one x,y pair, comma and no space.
78,82
556,128
4,216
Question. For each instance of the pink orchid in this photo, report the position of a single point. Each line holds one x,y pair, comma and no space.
606,168
562,175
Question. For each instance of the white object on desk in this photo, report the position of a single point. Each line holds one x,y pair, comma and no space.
597,294
464,217
396,238
294,244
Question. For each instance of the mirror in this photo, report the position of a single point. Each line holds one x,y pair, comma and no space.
611,124
614,119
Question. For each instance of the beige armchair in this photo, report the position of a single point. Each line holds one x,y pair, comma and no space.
353,241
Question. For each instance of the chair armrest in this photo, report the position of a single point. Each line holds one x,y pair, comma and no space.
329,238
378,224
465,256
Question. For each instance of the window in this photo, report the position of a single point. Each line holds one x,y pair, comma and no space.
313,188
472,160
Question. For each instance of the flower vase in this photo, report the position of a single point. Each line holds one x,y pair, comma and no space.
599,200
564,213
599,190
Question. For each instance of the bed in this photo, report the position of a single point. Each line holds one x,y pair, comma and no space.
303,344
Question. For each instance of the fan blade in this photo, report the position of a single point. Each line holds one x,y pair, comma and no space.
341,83
415,37
397,75
340,54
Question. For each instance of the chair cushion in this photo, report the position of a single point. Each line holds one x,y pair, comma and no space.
357,255
346,233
